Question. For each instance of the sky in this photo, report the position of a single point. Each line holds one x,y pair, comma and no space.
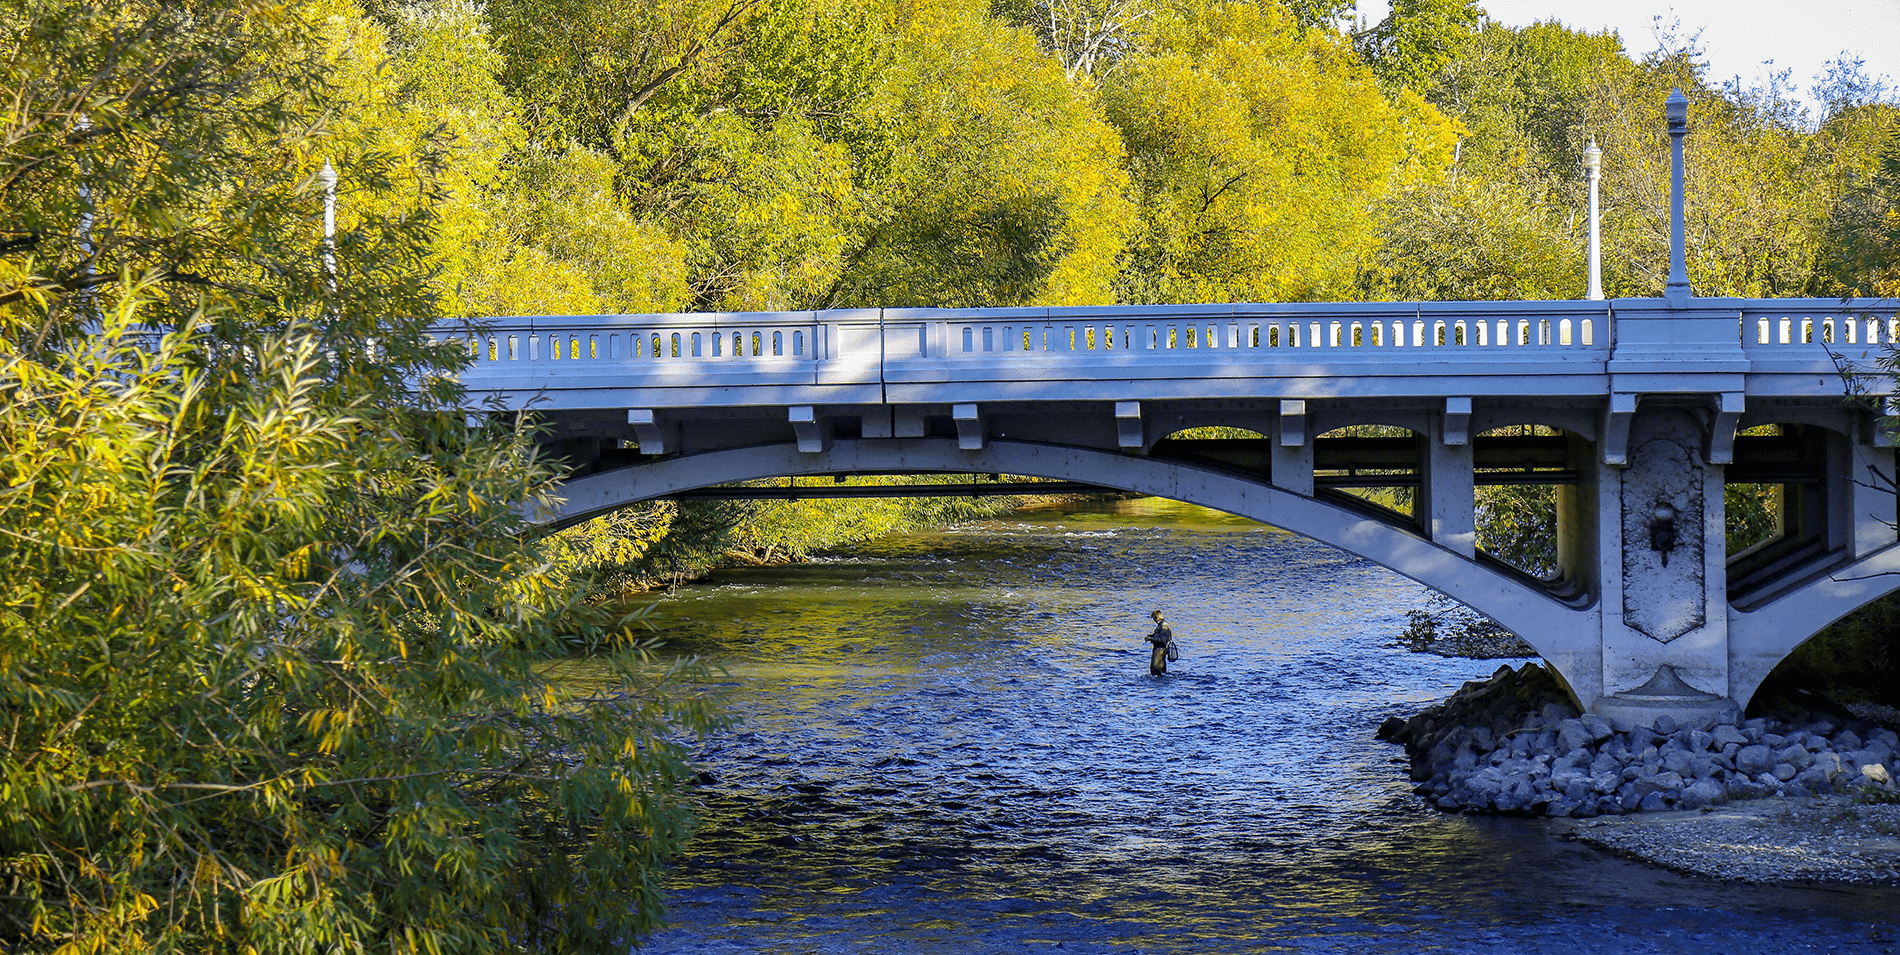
1739,37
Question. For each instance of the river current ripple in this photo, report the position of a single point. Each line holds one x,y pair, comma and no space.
949,743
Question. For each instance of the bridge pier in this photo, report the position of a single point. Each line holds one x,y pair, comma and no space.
1662,574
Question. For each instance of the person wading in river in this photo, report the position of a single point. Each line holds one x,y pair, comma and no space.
1163,640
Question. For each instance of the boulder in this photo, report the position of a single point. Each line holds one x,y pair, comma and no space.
1796,755
1557,712
1814,779
1754,760
1836,769
1598,728
1663,782
1392,730
1703,792
1572,735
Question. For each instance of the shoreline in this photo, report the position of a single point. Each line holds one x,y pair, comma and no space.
1811,840
1794,799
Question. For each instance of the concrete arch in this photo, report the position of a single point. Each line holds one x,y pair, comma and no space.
1415,425
1566,637
1760,639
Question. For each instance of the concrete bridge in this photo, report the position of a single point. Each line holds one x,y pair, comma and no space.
1649,408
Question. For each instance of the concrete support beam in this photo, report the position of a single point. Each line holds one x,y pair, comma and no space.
1292,454
1728,413
1616,429
809,428
907,421
1457,427
1449,509
1128,430
970,436
647,430
1872,493
1292,424
1577,543
877,423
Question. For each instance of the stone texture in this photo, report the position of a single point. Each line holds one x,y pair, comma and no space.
1663,590
1497,746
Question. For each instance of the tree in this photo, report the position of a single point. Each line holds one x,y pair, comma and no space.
1472,240
1417,38
1087,37
586,69
1257,151
273,646
523,229
998,184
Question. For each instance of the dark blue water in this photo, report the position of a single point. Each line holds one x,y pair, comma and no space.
950,743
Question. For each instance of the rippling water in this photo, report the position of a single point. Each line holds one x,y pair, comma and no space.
950,743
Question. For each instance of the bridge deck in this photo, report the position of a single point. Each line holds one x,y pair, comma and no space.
1781,347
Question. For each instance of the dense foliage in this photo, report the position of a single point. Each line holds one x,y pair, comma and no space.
271,640
273,647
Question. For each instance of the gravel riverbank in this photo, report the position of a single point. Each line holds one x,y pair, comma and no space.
1807,797
1823,839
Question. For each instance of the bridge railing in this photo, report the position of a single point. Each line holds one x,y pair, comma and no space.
863,345
1258,328
726,353
1817,337
1769,323
775,336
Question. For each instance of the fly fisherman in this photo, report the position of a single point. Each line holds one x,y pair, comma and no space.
1163,641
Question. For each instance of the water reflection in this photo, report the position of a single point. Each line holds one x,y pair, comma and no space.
950,743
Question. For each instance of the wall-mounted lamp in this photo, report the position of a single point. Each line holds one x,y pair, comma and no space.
1662,531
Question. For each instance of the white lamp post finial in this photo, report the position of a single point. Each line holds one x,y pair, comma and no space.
1592,169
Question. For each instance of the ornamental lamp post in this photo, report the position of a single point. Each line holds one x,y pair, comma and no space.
1677,292
328,178
1592,170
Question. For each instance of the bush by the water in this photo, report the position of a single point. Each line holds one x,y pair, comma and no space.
1451,629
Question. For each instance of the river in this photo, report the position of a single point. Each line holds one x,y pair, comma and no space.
950,743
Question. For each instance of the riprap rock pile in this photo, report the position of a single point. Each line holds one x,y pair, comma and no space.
1513,744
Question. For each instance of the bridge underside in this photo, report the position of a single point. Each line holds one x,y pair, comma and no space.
1644,584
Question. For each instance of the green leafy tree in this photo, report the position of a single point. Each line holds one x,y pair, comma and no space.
521,228
1418,38
1257,150
1000,184
1472,240
273,646
588,69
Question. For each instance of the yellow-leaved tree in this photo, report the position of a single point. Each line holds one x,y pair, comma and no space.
1259,151
272,637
